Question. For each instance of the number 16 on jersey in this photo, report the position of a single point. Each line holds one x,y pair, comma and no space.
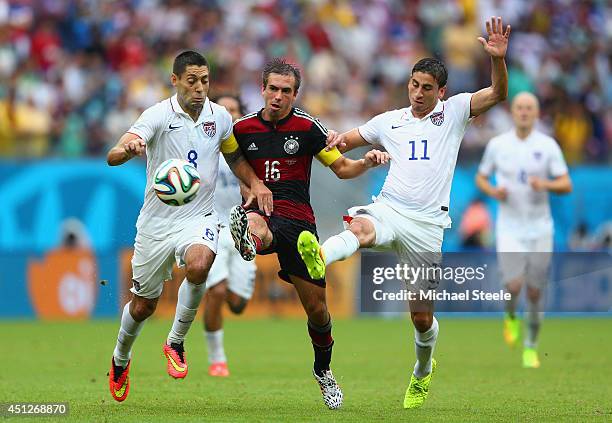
272,172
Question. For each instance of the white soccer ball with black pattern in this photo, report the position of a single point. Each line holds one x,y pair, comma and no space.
176,182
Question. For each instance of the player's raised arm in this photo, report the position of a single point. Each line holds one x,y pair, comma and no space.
245,173
128,146
496,46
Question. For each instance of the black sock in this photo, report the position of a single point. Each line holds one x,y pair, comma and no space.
322,358
322,343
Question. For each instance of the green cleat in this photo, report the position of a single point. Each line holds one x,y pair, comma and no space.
310,251
417,391
530,358
512,330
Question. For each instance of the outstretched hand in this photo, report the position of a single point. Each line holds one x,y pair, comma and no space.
497,44
374,158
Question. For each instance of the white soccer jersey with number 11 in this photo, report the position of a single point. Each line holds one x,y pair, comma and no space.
170,133
423,157
525,213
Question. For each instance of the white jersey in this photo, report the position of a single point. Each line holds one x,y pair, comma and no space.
525,212
170,133
227,192
423,157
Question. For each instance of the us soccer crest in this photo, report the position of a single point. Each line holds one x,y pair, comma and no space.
437,118
291,145
210,128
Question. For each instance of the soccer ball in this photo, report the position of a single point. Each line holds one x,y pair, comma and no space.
176,182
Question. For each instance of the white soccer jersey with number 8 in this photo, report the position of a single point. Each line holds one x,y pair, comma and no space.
170,133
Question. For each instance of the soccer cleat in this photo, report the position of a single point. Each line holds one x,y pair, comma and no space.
512,330
530,358
332,394
310,251
239,227
177,362
218,369
119,381
417,391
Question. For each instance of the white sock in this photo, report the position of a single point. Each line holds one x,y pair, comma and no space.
216,352
424,346
189,298
128,332
533,321
340,246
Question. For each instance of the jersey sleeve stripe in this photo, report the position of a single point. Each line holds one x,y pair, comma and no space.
245,117
317,122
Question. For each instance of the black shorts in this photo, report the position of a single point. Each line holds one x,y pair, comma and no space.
285,233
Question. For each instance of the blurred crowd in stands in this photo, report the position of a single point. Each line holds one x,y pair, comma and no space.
76,73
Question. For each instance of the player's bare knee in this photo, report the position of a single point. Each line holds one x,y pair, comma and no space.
196,271
422,321
259,227
237,305
533,294
317,312
514,286
364,231
142,308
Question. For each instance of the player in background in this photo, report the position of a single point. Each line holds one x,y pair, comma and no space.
231,279
411,212
527,165
280,142
188,126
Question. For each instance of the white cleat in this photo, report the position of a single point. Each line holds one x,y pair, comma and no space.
332,394
239,227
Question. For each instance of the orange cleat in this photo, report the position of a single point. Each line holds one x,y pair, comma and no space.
219,369
177,364
119,381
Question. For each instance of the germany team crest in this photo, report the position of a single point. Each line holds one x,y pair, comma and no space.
291,145
437,118
210,128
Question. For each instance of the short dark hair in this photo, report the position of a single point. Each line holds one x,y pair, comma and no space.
241,107
281,67
187,58
433,67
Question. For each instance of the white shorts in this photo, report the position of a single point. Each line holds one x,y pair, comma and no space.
154,258
417,244
524,257
230,266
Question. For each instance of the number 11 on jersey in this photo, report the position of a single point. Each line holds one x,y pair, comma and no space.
413,155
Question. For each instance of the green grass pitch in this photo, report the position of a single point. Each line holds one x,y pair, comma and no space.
478,377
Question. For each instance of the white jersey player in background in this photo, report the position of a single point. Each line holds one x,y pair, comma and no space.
524,160
411,212
191,127
231,278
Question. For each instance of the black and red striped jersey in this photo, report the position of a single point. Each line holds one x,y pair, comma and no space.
281,156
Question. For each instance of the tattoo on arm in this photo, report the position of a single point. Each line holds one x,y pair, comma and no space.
234,158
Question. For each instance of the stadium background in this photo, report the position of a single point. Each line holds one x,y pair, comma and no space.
75,74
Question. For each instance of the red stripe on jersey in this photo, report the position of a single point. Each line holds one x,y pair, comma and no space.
282,169
251,125
291,210
297,124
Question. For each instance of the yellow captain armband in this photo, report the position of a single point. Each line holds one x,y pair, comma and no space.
229,145
328,157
